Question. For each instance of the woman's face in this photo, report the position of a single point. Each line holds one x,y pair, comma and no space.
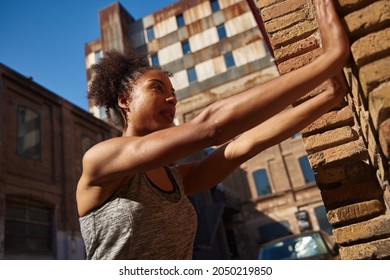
152,104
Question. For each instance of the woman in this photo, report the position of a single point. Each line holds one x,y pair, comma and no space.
131,204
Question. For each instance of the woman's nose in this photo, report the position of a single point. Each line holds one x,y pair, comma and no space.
172,99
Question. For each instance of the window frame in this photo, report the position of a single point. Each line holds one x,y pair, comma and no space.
20,138
180,21
192,72
221,30
261,189
150,33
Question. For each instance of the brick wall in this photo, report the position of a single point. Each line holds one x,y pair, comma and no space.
349,147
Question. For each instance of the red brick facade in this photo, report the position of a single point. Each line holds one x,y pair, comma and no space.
348,147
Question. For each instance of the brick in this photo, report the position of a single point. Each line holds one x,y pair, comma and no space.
346,193
330,121
350,151
386,196
299,61
379,105
294,34
374,74
359,232
286,21
296,49
378,249
371,18
353,172
348,6
384,138
371,47
329,139
353,212
266,3
281,9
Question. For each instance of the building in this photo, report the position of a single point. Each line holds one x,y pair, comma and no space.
214,50
348,147
42,140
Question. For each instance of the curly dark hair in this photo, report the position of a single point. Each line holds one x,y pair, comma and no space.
115,74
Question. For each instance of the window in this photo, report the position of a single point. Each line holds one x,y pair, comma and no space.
221,31
323,221
180,20
261,181
29,133
155,61
185,45
150,32
229,60
214,5
28,226
98,56
308,173
191,73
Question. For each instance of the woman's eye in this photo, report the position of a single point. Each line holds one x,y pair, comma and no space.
158,88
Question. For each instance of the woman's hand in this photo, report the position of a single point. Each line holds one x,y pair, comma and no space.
334,40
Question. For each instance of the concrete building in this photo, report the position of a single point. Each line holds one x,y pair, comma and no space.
42,140
214,50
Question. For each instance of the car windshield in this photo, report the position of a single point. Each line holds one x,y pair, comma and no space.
295,247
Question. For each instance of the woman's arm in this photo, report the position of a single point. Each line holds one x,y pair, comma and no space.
217,166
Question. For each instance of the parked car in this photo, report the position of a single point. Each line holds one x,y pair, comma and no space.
315,245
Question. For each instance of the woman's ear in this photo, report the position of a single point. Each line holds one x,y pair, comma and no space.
123,101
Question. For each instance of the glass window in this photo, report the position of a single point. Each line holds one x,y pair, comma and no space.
191,73
214,5
28,226
261,181
180,20
306,169
29,133
221,31
98,56
155,61
323,221
185,45
150,32
229,60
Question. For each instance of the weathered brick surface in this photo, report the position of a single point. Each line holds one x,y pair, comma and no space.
348,147
384,138
353,212
299,61
286,21
371,18
371,47
296,49
330,121
359,232
292,35
379,105
353,192
378,249
355,150
329,139
265,3
351,172
281,9
374,74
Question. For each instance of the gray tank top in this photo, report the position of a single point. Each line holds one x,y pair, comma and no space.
140,221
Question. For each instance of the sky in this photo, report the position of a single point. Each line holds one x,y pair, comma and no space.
44,39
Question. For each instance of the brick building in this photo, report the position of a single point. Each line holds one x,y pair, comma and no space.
349,146
42,140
